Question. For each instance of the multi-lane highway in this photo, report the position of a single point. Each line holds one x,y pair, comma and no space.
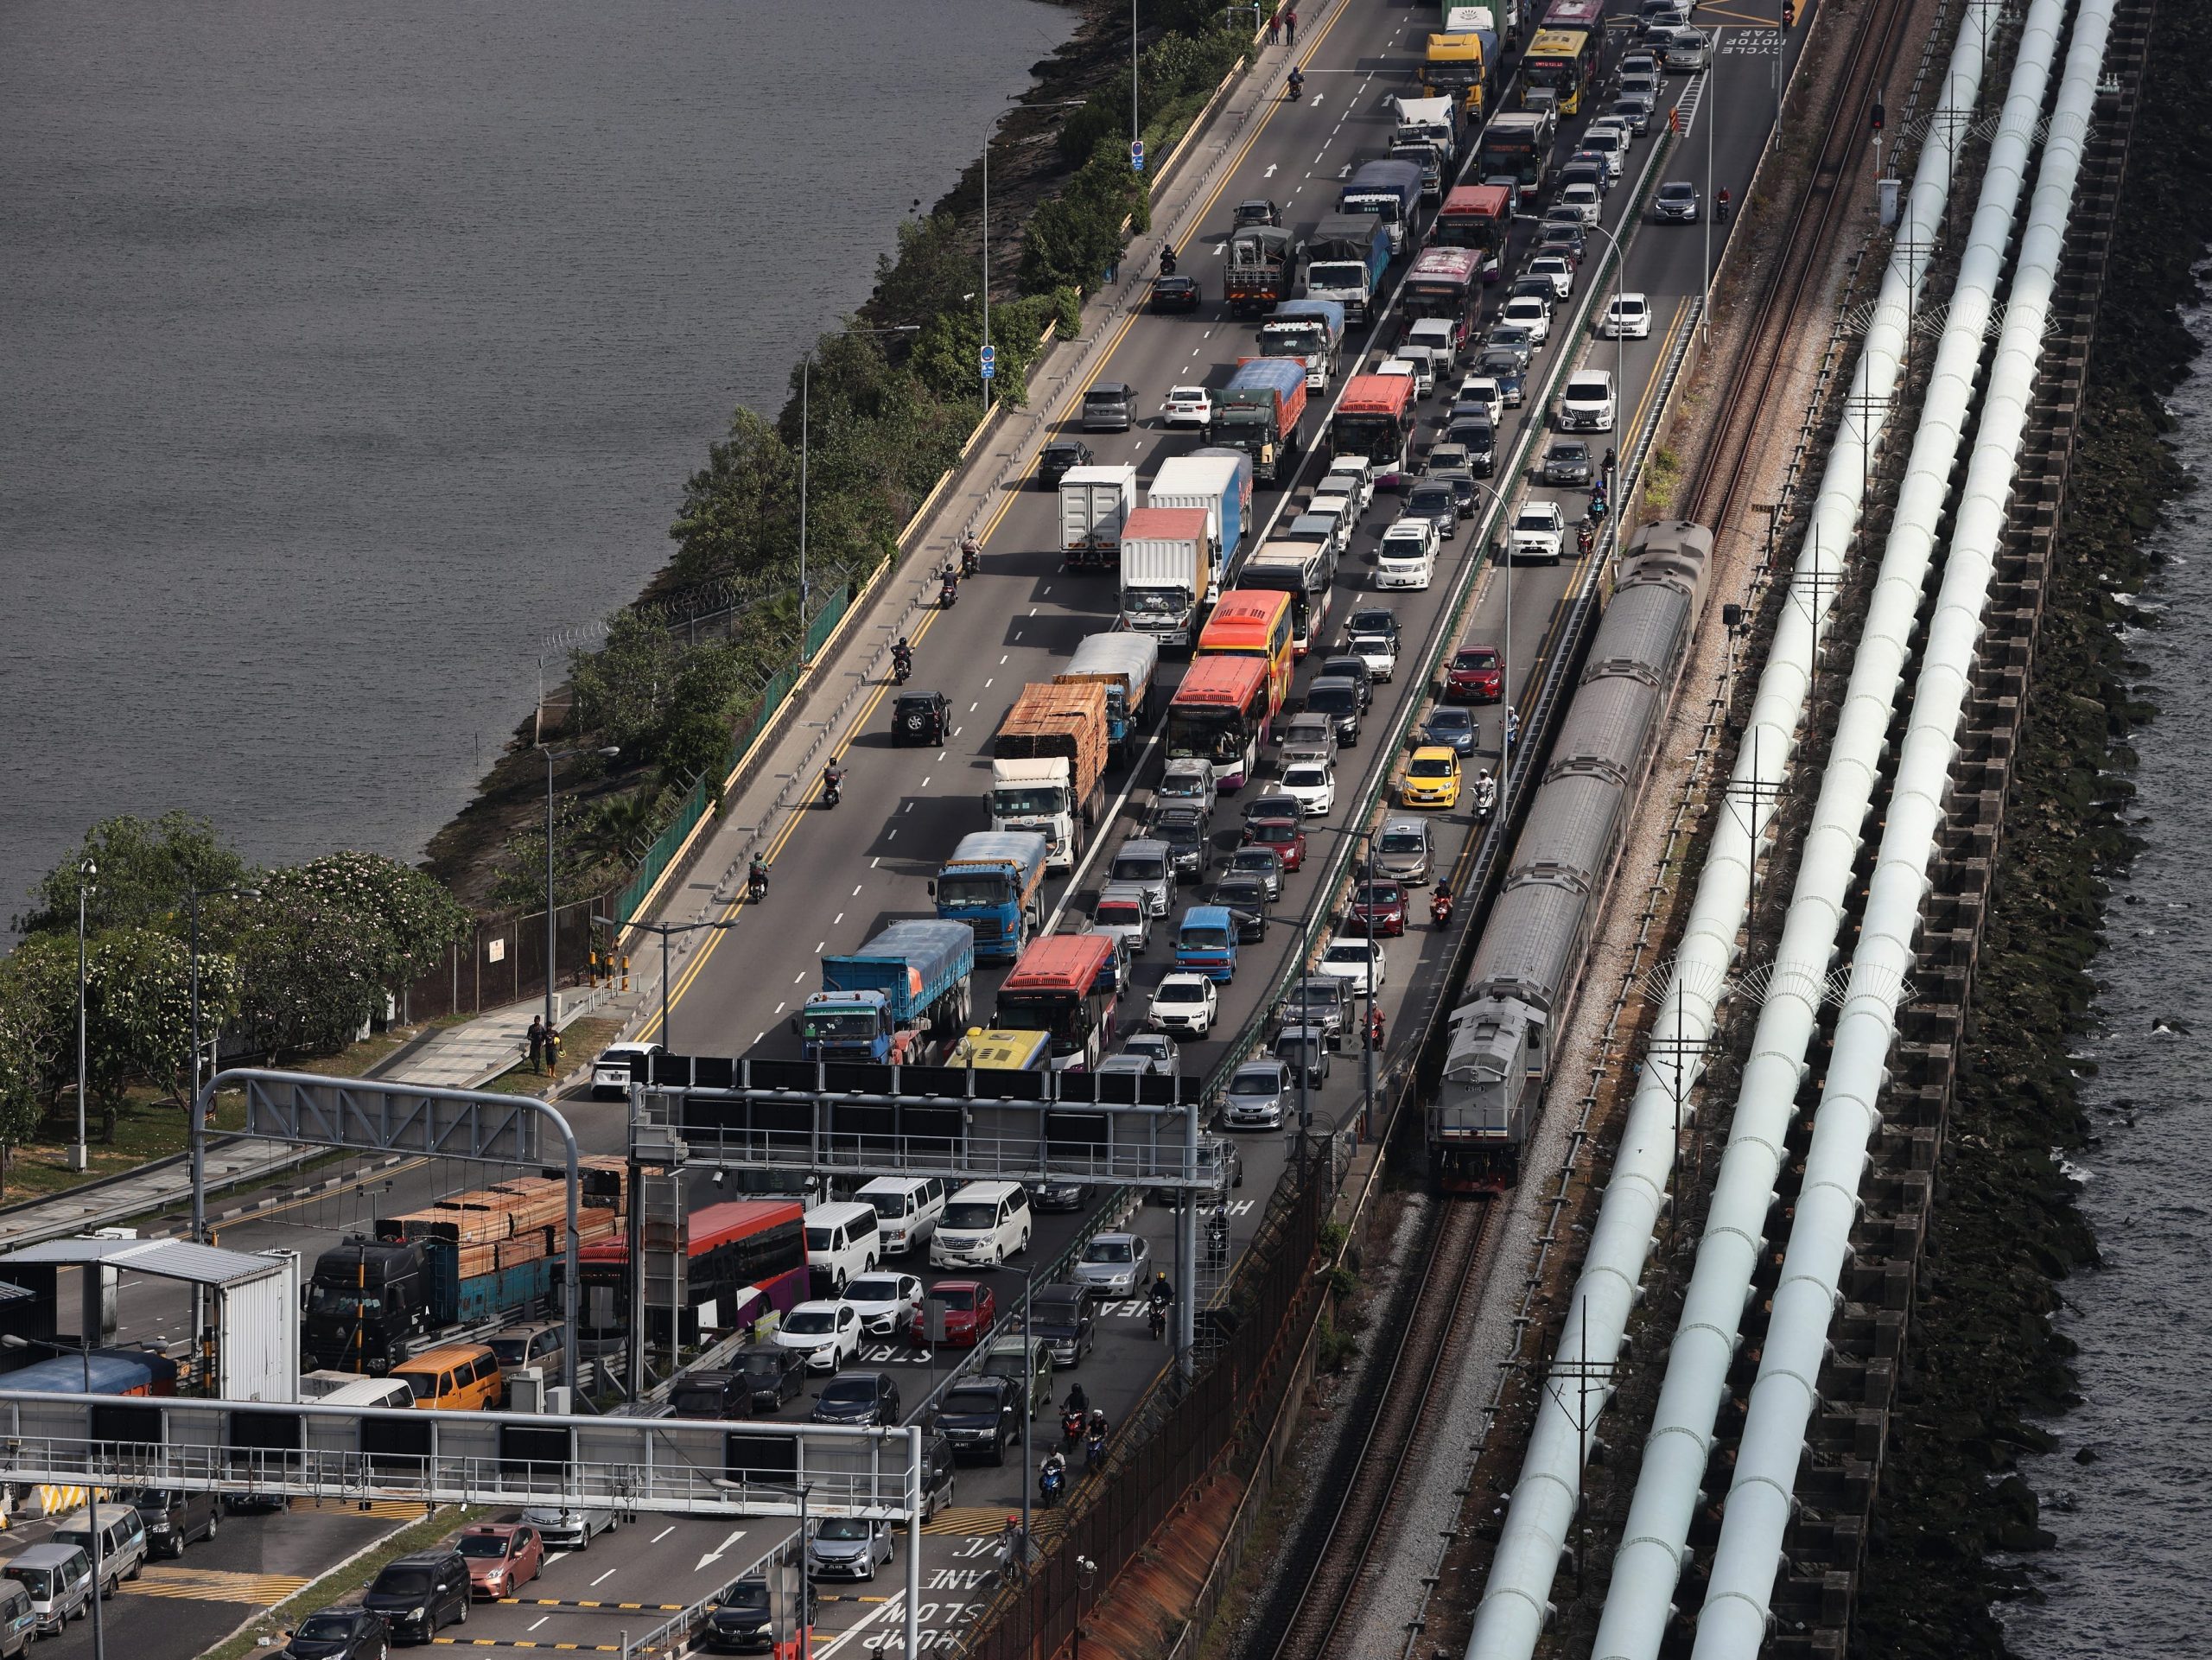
839,874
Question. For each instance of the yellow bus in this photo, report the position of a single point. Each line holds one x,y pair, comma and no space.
1564,60
999,1049
1253,622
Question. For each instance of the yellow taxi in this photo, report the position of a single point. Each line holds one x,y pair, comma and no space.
1431,778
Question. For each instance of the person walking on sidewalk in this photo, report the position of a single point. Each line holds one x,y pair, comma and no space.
537,1043
1290,27
552,1052
1275,27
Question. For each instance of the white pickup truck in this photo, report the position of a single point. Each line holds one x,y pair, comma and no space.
1538,532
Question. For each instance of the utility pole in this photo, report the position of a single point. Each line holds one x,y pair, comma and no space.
87,873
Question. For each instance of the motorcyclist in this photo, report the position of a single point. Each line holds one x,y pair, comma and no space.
1076,1401
902,658
1375,1029
833,783
1162,1293
1612,460
1051,1477
1585,538
1167,259
1440,905
1297,81
1094,1440
756,876
1486,795
971,555
1724,205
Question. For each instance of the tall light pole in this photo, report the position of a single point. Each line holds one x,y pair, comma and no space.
1712,49
664,929
199,1118
1137,131
88,873
91,1487
552,756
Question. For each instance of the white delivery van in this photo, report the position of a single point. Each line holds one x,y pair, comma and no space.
842,1242
906,1209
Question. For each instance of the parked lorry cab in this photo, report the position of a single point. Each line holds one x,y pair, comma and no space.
1218,480
1124,662
994,884
1261,412
1346,259
1168,566
1433,121
883,1002
1312,331
1048,763
1389,189
1257,268
366,1300
1094,501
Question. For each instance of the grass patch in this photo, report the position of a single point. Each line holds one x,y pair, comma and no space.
349,1581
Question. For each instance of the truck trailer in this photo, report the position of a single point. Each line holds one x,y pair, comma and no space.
883,1002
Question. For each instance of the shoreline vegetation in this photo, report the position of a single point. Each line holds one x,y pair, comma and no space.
325,954
1955,1516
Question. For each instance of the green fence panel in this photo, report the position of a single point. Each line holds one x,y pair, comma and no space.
826,619
688,812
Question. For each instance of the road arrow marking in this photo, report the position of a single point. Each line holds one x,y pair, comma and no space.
715,1555
1270,173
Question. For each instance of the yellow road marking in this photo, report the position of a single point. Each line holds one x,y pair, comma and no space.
213,1584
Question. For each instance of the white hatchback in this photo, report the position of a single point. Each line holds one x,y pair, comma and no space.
827,1334
1354,959
1584,199
1313,784
1185,1002
1526,311
1187,406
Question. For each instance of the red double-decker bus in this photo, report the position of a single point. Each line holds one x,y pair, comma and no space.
742,1260
1065,986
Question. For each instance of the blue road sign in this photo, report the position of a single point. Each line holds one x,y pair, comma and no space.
1136,153
990,362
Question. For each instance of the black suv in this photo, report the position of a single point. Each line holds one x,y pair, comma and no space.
743,1623
1058,458
1353,668
717,1396
1338,697
338,1634
1246,898
421,1594
982,1417
1257,210
173,1519
773,1375
920,717
1184,829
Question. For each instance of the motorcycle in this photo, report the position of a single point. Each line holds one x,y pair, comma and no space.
756,886
1297,86
1156,1317
971,558
1720,210
1585,538
1167,261
1094,1442
1071,1423
948,591
832,788
1439,907
902,667
1052,1480
1374,1030
1485,797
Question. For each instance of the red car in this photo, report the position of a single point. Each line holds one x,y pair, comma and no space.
1474,675
502,1558
1378,908
1285,837
969,1308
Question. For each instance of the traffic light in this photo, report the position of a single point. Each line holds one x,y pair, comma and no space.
1877,116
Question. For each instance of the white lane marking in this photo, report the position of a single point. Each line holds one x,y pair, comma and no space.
987,684
715,1555
821,945
840,917
759,1037
1003,658
542,1618
779,1009
940,755
609,1575
856,889
889,835
798,979
665,1531
972,709
1033,610
925,783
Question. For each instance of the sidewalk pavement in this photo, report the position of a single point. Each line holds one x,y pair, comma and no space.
464,1057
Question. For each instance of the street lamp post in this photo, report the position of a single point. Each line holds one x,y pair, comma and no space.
91,1486
199,1120
551,757
664,929
87,873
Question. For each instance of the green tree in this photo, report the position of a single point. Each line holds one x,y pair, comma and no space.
22,1098
309,973
38,996
739,514
417,918
932,271
623,688
138,1013
145,865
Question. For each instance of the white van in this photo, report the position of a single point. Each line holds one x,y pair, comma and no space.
60,1579
122,1541
1586,405
984,1223
906,1209
370,1392
842,1242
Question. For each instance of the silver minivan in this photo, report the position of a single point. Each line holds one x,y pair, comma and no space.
1108,406
60,1581
18,1619
123,1542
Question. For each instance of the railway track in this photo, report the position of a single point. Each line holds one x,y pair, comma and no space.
1396,1405
1808,249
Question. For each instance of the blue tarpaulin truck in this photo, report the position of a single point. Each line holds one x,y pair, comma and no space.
994,884
881,1002
1349,252
1124,662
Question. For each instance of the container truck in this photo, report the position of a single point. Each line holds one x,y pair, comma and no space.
1168,563
1124,664
1260,411
1259,265
1311,332
1047,764
881,1002
1094,501
1347,258
995,883
1218,479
